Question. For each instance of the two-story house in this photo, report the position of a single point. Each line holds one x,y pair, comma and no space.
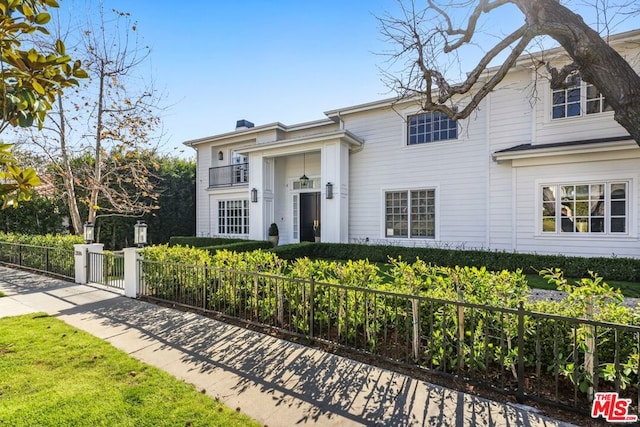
532,170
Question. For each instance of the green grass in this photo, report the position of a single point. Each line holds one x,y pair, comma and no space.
54,375
1,294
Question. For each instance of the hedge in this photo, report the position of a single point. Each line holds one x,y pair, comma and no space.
626,269
199,242
242,246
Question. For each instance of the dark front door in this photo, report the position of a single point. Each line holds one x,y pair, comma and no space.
309,212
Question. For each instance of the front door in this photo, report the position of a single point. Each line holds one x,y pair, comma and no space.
309,213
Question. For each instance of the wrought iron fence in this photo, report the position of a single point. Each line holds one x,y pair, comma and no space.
55,261
531,355
106,268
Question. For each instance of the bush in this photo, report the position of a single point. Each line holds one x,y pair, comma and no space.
61,241
627,269
198,242
242,246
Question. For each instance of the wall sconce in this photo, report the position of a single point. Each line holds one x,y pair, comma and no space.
89,230
254,195
220,155
140,234
329,193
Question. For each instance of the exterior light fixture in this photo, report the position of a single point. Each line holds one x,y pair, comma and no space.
220,155
329,193
254,195
140,234
304,179
89,232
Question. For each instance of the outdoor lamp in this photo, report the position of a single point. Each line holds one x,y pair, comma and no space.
254,195
140,234
89,231
220,155
329,190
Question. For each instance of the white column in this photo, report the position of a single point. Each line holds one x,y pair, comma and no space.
82,265
131,272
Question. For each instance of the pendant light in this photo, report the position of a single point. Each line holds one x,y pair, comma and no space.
304,179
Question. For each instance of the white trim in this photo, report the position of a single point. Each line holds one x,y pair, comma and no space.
606,179
383,206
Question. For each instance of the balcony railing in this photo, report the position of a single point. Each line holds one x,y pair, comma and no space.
228,176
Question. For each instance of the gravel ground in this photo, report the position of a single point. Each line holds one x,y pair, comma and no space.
542,294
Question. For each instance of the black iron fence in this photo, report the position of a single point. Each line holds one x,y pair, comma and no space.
531,355
224,176
106,268
56,261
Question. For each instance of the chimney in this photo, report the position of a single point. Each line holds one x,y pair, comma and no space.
244,124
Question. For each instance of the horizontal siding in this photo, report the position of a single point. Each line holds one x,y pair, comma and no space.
457,169
526,205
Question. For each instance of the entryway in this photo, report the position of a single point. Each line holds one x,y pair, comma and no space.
309,213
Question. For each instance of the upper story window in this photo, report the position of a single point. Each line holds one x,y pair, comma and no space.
577,99
430,127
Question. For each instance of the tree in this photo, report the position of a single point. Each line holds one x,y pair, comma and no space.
30,81
109,121
424,37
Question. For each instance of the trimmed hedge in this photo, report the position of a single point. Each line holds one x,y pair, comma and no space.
199,242
626,269
242,246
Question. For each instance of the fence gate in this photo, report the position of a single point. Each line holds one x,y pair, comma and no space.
106,269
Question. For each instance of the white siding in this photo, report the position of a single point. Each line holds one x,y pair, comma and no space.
457,169
591,168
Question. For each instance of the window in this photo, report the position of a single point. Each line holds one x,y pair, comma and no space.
240,173
430,127
577,99
233,217
594,208
410,214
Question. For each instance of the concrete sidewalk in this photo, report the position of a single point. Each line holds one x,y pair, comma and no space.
276,382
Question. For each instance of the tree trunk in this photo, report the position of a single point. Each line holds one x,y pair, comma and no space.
67,175
598,63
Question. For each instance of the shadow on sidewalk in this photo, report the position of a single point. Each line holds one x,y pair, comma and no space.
329,384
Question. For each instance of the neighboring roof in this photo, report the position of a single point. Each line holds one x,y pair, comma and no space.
585,145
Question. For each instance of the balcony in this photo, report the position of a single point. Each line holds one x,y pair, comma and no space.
229,176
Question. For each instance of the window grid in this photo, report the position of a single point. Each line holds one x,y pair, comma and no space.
233,217
410,214
430,127
593,208
577,99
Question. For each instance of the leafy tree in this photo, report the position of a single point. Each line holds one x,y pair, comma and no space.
110,122
428,39
30,82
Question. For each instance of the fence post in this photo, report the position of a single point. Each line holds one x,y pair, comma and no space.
520,392
415,315
80,257
460,318
312,298
131,272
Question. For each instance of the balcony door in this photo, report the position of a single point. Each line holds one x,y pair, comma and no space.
309,213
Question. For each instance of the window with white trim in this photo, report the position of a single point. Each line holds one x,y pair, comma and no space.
410,214
597,208
233,216
579,98
430,127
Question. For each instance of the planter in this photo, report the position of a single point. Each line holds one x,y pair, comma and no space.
317,238
274,240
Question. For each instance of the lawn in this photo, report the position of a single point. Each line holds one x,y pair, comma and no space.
54,375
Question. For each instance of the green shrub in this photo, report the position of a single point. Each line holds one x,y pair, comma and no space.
626,269
241,246
62,241
199,242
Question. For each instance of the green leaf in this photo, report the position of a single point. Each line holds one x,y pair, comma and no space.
81,74
42,18
60,47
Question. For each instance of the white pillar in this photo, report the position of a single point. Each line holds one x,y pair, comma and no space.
81,257
131,272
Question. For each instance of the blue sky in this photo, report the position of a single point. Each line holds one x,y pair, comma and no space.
264,61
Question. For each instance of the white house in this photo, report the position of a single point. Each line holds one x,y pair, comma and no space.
532,170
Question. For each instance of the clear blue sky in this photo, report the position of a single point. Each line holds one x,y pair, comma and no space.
264,61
